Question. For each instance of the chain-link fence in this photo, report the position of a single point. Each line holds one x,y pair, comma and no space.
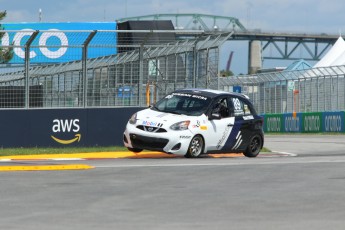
53,69
103,68
312,90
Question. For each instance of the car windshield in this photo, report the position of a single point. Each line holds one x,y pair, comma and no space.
183,103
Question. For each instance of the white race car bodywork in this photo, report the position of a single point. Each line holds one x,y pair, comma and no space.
214,132
190,122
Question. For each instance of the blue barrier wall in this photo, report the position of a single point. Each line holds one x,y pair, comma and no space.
105,126
60,128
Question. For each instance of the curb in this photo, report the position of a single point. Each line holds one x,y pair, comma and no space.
124,155
102,155
44,167
85,156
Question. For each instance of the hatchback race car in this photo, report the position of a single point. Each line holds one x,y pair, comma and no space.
192,122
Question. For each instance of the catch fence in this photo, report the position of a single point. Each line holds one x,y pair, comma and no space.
311,90
103,68
63,69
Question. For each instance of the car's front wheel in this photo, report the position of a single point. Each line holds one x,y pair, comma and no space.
135,150
254,147
196,147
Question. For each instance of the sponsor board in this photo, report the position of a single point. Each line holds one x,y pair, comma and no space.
305,122
59,42
66,126
273,122
312,122
333,121
291,123
69,127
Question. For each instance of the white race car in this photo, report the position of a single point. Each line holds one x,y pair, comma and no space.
191,122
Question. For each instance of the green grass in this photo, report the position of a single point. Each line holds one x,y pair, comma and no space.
36,150
264,149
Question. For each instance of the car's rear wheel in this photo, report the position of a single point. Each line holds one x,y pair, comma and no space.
254,147
135,150
196,147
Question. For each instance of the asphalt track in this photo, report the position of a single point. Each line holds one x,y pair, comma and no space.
298,186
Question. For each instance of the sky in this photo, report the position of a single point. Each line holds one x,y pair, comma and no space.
293,16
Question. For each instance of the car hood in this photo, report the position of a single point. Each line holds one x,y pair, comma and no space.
149,117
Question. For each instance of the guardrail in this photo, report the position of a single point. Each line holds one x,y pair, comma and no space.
315,122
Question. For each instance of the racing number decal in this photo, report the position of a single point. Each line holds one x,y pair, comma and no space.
238,109
237,104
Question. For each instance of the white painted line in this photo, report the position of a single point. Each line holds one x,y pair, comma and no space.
285,153
65,159
235,163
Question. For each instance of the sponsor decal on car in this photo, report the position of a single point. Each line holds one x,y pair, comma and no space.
187,95
197,125
225,134
203,127
238,140
152,123
200,97
250,117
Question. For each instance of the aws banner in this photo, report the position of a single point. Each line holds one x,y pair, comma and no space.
59,42
64,127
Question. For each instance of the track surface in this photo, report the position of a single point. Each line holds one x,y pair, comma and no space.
273,191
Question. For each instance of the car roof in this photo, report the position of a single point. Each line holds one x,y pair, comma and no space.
210,92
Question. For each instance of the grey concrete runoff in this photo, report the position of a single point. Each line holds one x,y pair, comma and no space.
302,192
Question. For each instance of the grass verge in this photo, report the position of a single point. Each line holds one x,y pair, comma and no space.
36,150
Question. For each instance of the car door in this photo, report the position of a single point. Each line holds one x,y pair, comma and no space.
232,133
244,124
220,125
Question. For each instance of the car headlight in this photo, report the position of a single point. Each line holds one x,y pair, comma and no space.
133,119
182,125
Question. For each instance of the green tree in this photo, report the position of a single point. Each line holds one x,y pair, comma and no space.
226,73
6,53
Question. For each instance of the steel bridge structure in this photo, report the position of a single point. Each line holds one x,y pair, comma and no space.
280,46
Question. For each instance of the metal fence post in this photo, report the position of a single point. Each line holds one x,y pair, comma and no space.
27,65
207,68
141,74
84,65
195,62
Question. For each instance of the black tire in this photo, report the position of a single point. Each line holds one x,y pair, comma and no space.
196,147
254,147
135,150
